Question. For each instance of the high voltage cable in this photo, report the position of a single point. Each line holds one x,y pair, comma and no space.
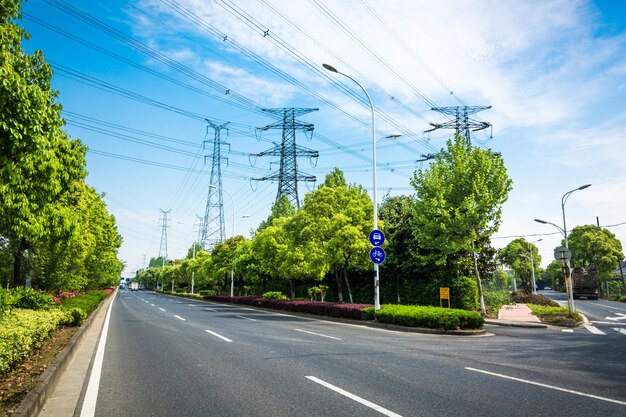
133,63
151,52
239,13
410,50
346,29
316,68
109,87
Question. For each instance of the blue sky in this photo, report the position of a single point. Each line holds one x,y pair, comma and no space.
138,78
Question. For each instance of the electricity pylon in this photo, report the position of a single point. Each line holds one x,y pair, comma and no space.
164,227
288,174
461,123
213,227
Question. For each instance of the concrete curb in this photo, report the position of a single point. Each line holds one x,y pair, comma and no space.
34,401
511,323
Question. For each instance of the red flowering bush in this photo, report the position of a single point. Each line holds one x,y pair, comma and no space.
348,311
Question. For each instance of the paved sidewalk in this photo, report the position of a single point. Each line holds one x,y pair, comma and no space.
517,312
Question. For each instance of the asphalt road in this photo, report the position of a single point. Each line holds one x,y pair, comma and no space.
604,316
167,356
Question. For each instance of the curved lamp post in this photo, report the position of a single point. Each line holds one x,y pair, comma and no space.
563,230
375,191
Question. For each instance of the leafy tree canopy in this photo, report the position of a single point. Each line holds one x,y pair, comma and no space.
458,200
594,246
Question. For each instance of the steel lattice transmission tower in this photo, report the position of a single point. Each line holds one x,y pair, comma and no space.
288,174
213,227
164,227
461,123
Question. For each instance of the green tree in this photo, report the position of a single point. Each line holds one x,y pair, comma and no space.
397,213
39,163
223,256
458,204
594,246
335,219
521,265
553,274
281,208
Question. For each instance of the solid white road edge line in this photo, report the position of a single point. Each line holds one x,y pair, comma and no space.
179,317
317,334
218,335
91,395
353,397
539,384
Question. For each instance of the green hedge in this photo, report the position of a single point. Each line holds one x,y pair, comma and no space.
429,317
23,330
85,302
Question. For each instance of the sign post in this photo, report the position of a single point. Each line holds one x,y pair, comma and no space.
444,294
377,255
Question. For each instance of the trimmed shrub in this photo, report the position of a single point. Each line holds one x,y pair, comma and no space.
207,292
275,295
24,330
429,317
86,302
494,300
78,316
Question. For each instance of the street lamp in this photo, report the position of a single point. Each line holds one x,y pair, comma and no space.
570,291
374,195
232,267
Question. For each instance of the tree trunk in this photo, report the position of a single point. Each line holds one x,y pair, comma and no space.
339,290
483,312
292,285
18,257
345,275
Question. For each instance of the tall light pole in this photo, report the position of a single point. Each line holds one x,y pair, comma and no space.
570,290
232,234
374,179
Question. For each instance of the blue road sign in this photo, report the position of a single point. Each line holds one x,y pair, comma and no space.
376,237
377,255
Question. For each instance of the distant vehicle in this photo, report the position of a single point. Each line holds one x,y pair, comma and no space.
134,286
585,282
121,286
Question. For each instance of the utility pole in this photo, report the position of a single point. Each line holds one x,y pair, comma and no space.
461,123
164,227
213,225
288,174
163,244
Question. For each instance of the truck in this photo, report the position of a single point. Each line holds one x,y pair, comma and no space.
585,283
134,286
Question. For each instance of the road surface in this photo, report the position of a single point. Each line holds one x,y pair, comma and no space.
167,356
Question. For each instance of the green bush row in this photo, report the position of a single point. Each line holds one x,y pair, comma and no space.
23,330
275,295
429,317
81,306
